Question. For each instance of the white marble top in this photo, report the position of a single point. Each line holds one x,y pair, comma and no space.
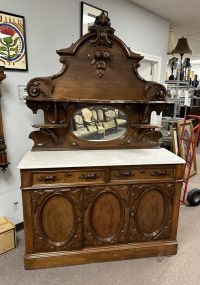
92,158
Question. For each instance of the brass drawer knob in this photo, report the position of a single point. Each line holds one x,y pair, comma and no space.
160,173
49,178
89,176
125,174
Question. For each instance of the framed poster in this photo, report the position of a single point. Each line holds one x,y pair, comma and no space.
88,15
184,145
13,52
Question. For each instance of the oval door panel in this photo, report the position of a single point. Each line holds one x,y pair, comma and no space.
106,216
58,219
150,212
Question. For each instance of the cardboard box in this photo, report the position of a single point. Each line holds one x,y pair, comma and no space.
7,235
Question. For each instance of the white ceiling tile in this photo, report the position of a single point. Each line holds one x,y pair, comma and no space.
182,14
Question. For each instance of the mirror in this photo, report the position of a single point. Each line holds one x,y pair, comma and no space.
99,123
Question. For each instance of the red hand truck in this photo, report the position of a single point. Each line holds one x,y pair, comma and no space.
193,197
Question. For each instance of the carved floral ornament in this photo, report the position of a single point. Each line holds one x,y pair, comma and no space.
101,43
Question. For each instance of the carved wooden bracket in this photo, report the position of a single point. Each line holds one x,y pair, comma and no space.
3,156
155,91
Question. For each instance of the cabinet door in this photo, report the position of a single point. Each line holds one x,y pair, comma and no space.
106,215
151,212
57,219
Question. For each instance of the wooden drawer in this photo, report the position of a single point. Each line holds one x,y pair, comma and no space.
68,177
132,173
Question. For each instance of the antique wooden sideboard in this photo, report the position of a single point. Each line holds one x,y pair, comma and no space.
96,186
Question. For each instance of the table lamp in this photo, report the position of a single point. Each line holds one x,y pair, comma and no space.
182,48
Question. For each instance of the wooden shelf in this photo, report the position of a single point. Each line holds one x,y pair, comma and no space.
50,126
145,126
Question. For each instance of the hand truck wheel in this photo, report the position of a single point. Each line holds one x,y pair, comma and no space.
193,197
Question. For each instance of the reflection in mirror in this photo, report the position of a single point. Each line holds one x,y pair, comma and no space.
99,123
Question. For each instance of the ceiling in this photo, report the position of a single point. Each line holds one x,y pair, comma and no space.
184,16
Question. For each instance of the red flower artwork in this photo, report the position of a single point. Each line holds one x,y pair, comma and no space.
7,31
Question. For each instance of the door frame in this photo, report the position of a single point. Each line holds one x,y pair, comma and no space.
156,61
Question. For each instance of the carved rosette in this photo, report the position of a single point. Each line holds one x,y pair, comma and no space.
155,91
44,86
40,86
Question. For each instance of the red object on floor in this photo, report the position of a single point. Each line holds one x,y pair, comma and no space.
191,143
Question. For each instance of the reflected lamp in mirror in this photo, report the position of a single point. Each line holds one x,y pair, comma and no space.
172,65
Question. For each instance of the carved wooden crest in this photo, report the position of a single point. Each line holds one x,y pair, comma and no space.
98,69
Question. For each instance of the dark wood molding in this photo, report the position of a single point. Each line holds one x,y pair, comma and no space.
3,155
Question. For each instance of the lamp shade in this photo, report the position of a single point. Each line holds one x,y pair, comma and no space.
182,47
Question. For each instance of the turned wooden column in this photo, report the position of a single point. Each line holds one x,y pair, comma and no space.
3,156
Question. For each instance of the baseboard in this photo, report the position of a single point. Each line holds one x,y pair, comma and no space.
19,226
99,254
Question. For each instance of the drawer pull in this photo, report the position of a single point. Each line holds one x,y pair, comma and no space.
89,176
49,178
160,173
124,174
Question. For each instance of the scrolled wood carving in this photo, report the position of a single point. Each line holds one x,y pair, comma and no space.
3,156
155,91
148,136
40,86
44,86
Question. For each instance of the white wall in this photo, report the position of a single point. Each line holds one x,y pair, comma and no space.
51,25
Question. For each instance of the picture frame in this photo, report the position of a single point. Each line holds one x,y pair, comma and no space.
13,48
183,145
88,15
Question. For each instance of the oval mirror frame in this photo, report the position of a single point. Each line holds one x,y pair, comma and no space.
99,123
